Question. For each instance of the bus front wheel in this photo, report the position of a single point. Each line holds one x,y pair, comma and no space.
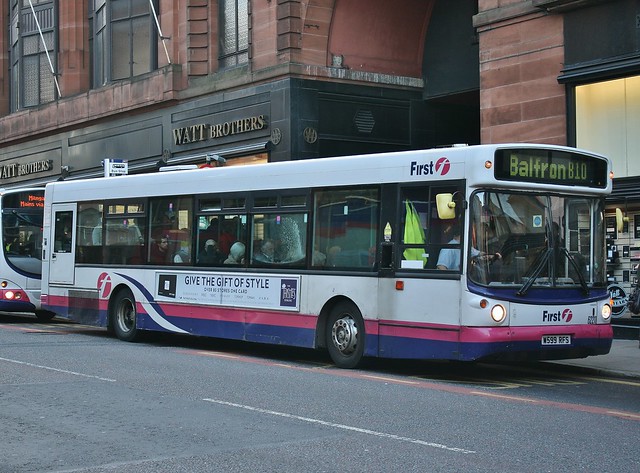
123,316
345,335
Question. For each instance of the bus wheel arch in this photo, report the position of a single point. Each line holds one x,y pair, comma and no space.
123,314
341,331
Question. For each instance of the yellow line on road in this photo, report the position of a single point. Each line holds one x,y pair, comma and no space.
391,380
502,396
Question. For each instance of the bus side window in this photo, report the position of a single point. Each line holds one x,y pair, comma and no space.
345,228
171,232
62,241
415,213
446,234
89,233
279,239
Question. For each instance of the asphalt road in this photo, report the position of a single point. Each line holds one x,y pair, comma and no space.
73,398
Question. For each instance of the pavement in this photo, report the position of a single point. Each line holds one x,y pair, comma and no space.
622,360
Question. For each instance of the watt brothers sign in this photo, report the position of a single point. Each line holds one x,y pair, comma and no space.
11,170
203,131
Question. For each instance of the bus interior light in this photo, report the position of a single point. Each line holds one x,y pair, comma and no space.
498,313
606,311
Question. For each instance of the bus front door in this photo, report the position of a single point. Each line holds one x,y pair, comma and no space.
62,254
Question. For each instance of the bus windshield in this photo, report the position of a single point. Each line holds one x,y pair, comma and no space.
536,240
22,239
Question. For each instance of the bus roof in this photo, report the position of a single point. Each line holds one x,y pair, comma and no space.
433,165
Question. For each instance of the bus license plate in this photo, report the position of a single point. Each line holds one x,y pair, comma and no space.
556,339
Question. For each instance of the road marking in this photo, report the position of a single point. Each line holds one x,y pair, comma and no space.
607,380
451,388
340,426
626,415
74,373
218,354
390,380
502,396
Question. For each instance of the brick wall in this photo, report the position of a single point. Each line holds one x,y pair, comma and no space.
521,56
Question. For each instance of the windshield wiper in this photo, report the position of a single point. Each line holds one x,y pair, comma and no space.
24,219
574,264
543,258
538,264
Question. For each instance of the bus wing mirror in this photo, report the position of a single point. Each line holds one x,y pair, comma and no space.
620,220
446,206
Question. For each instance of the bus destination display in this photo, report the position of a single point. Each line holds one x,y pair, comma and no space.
550,167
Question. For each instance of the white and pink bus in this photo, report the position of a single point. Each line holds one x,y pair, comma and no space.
461,253
21,211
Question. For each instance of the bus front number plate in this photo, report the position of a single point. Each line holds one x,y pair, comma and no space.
556,339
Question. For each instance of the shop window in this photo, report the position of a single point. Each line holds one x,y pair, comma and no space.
33,61
234,32
606,122
123,39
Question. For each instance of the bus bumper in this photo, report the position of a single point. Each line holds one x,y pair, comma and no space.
525,343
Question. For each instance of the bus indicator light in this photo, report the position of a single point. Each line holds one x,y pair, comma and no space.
399,285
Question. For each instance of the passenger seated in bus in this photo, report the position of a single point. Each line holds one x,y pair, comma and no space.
183,255
227,235
236,254
266,252
333,256
318,258
160,250
210,255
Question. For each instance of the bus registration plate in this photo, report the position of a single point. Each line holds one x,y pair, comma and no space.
556,339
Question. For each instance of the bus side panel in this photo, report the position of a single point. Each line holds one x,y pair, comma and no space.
418,341
256,325
419,317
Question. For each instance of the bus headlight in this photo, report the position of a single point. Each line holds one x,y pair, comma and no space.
606,311
498,313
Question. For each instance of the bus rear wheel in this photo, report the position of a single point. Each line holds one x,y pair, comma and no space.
345,335
123,316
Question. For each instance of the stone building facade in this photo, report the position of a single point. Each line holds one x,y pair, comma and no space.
568,72
273,80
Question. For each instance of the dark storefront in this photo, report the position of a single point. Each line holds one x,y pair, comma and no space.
602,75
